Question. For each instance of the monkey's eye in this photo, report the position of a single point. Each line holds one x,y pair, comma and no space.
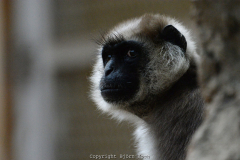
108,57
132,53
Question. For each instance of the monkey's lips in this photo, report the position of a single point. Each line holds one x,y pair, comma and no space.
117,92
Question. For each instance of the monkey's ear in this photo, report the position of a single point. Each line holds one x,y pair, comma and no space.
172,35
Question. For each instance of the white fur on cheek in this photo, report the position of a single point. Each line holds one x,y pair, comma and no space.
98,72
166,66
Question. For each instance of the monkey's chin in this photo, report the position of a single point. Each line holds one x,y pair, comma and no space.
117,95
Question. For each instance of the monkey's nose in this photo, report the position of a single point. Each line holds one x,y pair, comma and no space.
109,68
109,71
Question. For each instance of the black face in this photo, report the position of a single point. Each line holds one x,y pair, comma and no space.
121,60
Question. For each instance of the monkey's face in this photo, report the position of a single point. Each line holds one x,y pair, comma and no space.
138,60
121,78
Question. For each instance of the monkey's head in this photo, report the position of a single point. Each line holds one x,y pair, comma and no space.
137,60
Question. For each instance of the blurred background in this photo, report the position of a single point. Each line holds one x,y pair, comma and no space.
46,55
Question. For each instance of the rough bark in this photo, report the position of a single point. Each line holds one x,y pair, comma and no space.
218,23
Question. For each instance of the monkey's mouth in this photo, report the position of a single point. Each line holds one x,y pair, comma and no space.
117,92
110,90
112,87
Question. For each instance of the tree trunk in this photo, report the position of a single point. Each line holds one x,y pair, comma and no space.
218,23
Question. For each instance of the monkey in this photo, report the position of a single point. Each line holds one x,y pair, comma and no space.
146,73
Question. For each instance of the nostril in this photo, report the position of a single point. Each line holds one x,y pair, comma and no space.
107,72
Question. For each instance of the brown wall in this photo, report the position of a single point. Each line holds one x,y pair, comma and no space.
2,102
5,109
